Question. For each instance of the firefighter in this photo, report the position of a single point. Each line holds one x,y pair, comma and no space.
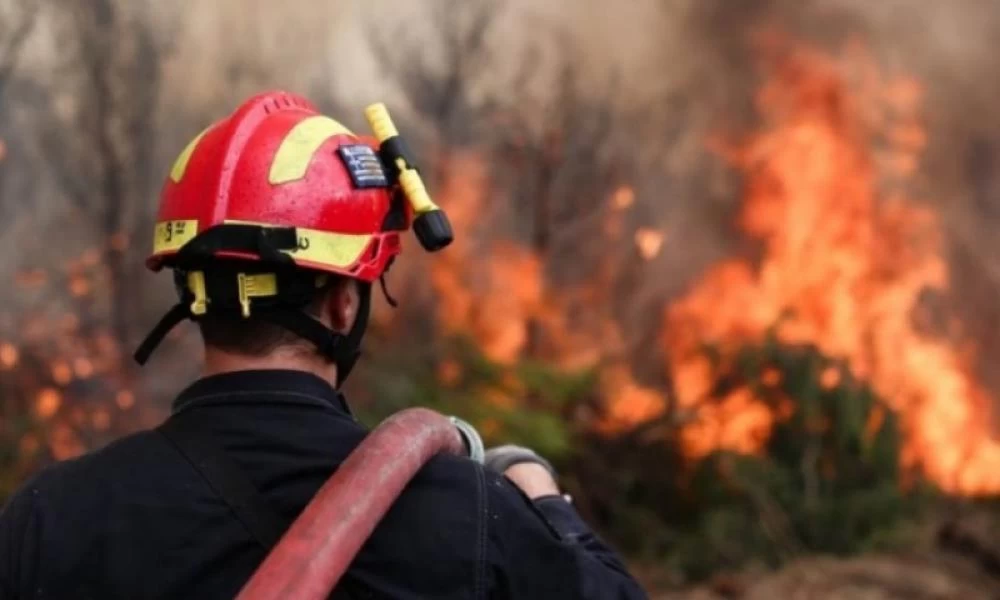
276,222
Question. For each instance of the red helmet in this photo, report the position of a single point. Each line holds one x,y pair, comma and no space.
282,187
277,162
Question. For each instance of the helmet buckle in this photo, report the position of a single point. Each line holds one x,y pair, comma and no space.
196,283
260,285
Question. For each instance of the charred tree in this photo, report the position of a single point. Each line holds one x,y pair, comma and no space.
113,73
554,158
438,85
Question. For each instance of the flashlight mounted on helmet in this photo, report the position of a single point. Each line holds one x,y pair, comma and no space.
430,223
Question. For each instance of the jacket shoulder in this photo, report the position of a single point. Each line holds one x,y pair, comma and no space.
94,466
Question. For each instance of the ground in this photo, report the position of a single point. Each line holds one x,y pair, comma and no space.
927,577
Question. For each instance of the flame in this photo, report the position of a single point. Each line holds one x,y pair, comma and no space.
623,197
48,403
649,242
83,368
8,355
496,301
845,260
830,378
61,372
66,373
739,423
845,263
124,399
79,287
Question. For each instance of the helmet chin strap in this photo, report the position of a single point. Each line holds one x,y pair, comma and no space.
346,359
277,296
343,350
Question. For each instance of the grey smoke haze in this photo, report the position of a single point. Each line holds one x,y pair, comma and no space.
683,66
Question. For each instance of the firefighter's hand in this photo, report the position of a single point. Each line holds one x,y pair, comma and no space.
526,469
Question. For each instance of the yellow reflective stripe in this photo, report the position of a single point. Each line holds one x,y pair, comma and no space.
297,149
180,165
171,235
331,249
337,250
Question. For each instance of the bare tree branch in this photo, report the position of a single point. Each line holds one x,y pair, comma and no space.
13,37
439,93
112,75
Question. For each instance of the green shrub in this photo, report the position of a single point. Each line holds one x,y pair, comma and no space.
826,481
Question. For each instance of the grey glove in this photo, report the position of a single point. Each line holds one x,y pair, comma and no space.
501,458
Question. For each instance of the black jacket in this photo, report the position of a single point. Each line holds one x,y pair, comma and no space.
134,520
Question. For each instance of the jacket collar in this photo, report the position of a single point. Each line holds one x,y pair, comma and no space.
261,386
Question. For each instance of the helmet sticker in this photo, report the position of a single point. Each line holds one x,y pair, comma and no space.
364,166
170,236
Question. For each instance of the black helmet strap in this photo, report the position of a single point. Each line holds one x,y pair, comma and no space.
271,290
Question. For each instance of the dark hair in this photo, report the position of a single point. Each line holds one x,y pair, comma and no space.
255,337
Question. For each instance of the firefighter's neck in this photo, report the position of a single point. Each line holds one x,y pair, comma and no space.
218,361
337,312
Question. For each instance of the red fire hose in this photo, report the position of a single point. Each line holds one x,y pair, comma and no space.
316,550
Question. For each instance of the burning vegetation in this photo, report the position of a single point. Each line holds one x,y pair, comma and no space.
845,263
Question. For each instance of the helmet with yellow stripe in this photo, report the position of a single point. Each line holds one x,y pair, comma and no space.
264,205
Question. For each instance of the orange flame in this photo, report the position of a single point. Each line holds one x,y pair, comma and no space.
623,198
124,399
845,260
8,356
649,242
61,372
502,297
47,403
844,267
83,368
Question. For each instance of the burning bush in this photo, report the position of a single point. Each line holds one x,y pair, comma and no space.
826,479
847,263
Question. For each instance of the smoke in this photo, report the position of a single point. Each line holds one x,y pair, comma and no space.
678,72
666,77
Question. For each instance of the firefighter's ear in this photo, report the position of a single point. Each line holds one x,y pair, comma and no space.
341,306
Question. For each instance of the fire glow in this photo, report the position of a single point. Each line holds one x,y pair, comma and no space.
59,366
844,266
845,258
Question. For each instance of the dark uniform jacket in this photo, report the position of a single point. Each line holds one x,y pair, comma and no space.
135,520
